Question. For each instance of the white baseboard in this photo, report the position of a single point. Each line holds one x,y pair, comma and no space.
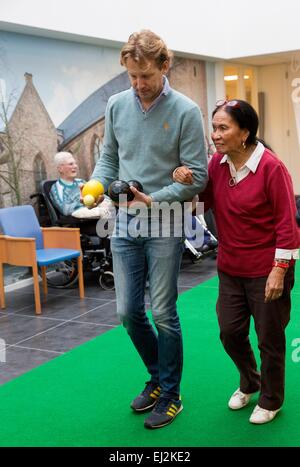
19,284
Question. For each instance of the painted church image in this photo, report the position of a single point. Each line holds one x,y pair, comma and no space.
30,139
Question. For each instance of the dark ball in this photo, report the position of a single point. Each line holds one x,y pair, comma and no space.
117,188
136,185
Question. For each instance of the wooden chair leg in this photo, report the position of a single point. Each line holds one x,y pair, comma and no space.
36,289
80,277
2,294
44,279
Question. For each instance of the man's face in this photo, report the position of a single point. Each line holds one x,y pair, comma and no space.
146,79
68,170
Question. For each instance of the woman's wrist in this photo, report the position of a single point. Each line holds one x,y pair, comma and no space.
281,263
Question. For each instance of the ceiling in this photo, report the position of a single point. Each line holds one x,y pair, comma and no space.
219,29
270,59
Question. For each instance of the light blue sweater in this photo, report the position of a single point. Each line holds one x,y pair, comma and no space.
66,196
148,146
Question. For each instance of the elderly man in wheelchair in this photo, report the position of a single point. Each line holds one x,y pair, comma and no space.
61,199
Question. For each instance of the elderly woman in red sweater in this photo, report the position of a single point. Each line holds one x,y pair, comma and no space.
251,193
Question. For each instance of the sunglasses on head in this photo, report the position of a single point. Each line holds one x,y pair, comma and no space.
223,102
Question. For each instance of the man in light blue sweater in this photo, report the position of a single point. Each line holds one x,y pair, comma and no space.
151,129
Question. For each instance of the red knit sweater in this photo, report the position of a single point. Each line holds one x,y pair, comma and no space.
254,217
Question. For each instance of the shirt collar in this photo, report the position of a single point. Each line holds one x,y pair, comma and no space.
166,88
254,159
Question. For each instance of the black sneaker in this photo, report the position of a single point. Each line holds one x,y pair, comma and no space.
147,399
163,413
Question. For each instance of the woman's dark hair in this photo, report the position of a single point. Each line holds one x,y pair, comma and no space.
243,114
266,145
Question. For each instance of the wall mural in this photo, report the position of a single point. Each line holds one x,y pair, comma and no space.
53,95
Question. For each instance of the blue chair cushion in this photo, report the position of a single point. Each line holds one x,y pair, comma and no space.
54,255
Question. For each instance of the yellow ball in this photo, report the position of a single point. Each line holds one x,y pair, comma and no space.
94,188
88,200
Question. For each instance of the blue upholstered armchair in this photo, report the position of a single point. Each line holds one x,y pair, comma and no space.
25,243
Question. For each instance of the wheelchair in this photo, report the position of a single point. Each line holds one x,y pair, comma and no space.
97,257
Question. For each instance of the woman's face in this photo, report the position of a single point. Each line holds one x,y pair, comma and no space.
227,135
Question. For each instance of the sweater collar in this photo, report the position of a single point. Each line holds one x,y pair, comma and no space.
165,91
66,183
253,161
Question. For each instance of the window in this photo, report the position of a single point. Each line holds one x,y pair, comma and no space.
240,83
39,172
248,84
231,82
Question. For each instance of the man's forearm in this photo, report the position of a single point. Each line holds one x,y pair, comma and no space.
106,170
179,192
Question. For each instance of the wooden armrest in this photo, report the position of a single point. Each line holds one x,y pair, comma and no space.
61,237
18,251
17,239
60,229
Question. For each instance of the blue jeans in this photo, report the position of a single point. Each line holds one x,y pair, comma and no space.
158,259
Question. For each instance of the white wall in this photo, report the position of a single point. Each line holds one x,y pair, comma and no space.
211,91
280,125
220,28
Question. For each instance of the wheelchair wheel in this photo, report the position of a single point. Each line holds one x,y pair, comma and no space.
62,275
106,280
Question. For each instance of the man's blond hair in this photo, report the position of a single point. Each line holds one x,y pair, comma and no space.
144,46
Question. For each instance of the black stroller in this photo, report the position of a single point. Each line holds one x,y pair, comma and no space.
200,241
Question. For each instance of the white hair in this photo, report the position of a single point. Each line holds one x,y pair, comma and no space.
62,157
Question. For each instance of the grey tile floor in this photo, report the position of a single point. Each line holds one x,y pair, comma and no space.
66,321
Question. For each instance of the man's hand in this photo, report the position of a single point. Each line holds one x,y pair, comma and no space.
139,199
275,284
97,201
80,189
183,175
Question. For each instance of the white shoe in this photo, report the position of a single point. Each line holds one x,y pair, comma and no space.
239,400
260,415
